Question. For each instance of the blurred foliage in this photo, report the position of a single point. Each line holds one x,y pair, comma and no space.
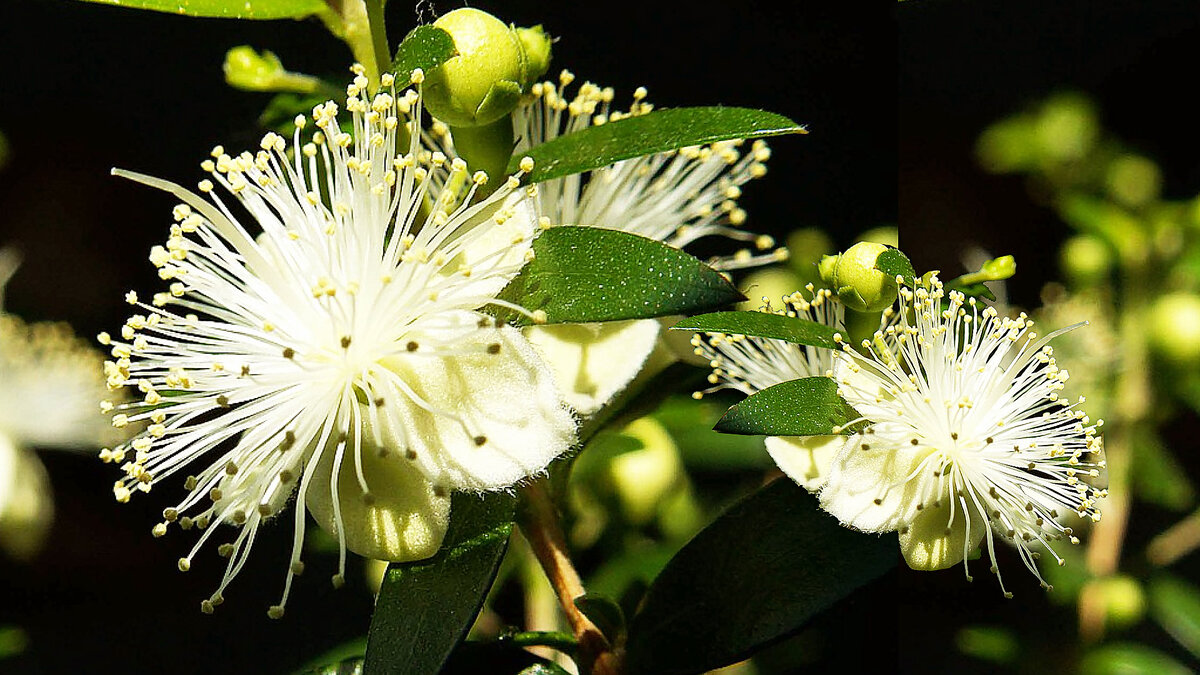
1131,270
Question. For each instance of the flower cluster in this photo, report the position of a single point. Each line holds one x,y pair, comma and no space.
965,438
340,350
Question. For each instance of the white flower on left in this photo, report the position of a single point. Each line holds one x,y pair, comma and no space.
49,383
343,355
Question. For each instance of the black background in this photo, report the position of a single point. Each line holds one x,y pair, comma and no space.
894,97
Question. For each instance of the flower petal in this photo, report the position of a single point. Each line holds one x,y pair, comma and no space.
404,518
26,508
593,362
805,459
506,240
869,490
499,417
933,541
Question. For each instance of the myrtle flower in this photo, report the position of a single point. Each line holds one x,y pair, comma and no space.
750,364
967,438
338,349
676,197
49,384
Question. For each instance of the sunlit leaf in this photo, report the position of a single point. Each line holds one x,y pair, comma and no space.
658,131
809,406
894,263
227,9
582,274
762,324
425,47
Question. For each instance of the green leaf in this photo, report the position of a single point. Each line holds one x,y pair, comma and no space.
894,263
1175,605
1158,477
659,131
752,577
227,9
425,608
582,274
1130,659
809,406
425,47
351,666
688,421
762,324
988,643
605,613
344,659
280,114
544,669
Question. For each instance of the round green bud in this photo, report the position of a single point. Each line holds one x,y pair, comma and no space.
247,69
536,44
642,478
484,81
826,267
1124,600
1174,328
1086,260
858,284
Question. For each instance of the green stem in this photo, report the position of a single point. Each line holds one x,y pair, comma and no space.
555,639
364,32
379,40
486,148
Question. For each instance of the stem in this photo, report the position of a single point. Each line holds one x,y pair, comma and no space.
1182,538
554,639
1132,402
540,525
364,32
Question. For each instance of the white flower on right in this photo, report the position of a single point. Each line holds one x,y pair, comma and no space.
967,440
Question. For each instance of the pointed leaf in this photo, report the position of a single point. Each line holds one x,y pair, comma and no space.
894,263
1127,658
227,9
809,406
1175,604
425,47
752,577
425,608
582,274
762,324
655,132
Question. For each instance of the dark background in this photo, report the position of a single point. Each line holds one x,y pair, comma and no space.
86,87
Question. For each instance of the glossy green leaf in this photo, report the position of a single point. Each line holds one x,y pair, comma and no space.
809,406
1130,659
582,274
659,131
544,669
755,575
1175,605
425,608
762,324
894,263
424,47
605,613
227,9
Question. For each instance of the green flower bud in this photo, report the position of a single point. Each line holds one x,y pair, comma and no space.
826,267
1124,600
858,284
484,82
1133,180
643,478
1175,328
1086,260
536,44
249,70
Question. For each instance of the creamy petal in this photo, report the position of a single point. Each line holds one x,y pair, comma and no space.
499,419
26,506
805,459
506,240
868,490
593,362
405,519
933,541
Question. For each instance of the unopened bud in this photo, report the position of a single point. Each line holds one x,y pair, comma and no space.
249,70
859,285
536,44
484,82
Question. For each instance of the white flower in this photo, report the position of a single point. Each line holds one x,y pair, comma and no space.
675,197
967,438
344,355
750,364
49,383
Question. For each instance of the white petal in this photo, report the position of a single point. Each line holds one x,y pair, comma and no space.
490,243
26,507
593,362
805,459
406,519
933,542
868,490
500,417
